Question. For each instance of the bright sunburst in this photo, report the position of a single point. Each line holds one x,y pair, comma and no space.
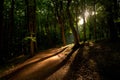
81,20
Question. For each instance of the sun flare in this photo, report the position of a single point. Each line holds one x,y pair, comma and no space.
81,20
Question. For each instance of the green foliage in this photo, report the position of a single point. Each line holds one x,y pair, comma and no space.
30,38
47,25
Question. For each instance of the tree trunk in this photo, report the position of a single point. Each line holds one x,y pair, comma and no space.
84,25
76,40
2,32
1,26
76,22
116,9
110,20
60,17
94,8
113,32
63,34
47,29
11,28
62,30
31,23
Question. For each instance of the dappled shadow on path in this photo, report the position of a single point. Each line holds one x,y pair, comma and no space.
82,67
74,67
101,61
68,56
92,61
107,56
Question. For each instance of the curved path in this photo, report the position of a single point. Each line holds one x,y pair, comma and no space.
40,69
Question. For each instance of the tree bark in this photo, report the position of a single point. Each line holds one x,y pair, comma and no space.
76,40
84,21
47,29
31,24
60,17
10,33
110,21
94,8
1,26
76,22
2,31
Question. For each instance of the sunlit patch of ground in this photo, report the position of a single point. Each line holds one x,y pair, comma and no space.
44,62
39,57
60,74
40,70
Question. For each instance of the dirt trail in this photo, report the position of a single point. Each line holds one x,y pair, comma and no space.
37,69
60,74
93,61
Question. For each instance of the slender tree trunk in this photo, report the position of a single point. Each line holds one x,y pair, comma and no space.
76,40
1,26
55,33
76,22
116,9
113,32
63,34
62,30
11,28
110,20
2,32
60,17
84,25
31,23
94,8
90,27
47,28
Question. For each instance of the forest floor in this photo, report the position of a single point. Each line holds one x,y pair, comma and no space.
94,61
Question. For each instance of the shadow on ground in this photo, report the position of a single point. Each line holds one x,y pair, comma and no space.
107,56
96,61
102,62
70,53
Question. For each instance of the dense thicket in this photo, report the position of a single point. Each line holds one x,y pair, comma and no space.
28,26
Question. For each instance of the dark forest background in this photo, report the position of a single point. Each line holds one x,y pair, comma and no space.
28,26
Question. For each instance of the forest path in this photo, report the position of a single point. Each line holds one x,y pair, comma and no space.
94,61
40,66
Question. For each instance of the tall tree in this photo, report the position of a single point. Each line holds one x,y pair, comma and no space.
110,20
94,9
2,30
71,22
60,17
11,26
31,23
77,13
84,20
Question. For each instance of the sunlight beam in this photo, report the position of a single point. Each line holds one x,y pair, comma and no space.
86,14
81,21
